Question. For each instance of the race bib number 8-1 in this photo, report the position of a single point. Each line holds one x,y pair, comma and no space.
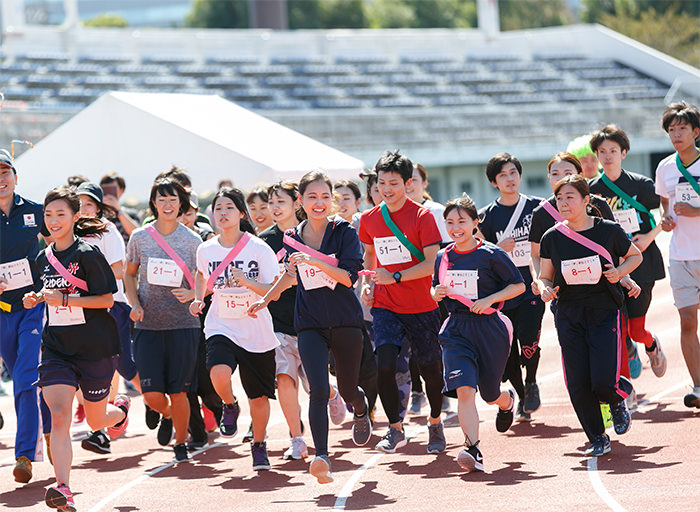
390,251
164,272
582,270
463,282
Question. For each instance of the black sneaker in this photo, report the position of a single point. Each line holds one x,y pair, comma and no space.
622,421
522,416
470,458
228,426
532,397
504,419
361,427
96,442
392,440
193,446
249,435
152,418
692,399
599,447
165,431
181,454
260,460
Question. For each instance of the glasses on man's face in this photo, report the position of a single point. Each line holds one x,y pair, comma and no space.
12,143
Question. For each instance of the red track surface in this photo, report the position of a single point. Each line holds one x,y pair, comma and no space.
537,466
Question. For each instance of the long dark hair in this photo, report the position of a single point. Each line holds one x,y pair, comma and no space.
238,199
84,226
291,189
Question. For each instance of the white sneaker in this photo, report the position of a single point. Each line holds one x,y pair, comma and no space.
631,401
297,450
657,359
336,408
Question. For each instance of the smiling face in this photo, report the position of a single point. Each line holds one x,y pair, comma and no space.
226,215
282,207
8,181
460,226
391,187
610,155
682,135
60,218
570,203
348,205
508,179
415,188
88,206
260,213
559,170
317,200
168,207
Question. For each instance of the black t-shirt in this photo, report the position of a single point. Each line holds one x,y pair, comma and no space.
494,220
542,220
557,247
98,337
641,189
282,310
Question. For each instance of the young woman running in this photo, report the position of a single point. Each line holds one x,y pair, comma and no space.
259,209
238,268
325,255
579,267
474,277
80,341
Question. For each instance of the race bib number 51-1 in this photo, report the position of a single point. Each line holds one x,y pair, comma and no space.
581,270
390,251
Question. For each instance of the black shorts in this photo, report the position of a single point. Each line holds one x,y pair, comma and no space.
166,360
527,326
257,369
637,308
421,330
93,378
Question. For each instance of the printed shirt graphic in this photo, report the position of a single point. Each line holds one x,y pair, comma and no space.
258,262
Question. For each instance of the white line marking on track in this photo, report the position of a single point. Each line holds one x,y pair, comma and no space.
597,484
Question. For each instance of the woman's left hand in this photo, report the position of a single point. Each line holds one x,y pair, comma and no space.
53,297
479,306
612,274
300,257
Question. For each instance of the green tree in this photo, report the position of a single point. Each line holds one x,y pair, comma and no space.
343,14
519,14
593,10
218,14
106,20
421,13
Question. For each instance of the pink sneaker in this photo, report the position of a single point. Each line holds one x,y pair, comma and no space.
79,415
210,424
123,402
61,498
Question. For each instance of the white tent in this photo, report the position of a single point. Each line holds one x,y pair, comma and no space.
139,135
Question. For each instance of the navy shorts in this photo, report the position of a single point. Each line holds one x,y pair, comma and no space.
475,350
125,365
257,370
421,330
93,378
167,360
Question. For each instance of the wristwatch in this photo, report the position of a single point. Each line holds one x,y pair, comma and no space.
397,277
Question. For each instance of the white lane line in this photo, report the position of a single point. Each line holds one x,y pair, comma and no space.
599,488
650,402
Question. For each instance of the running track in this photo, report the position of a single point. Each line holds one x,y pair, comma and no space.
537,466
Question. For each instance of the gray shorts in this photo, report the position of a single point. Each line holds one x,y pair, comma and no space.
685,282
287,359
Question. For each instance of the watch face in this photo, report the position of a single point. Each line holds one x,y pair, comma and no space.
397,276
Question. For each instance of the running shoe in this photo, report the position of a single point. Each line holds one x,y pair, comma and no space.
229,419
531,401
692,399
336,408
260,460
631,401
23,470
436,438
504,419
522,416
297,449
249,435
622,421
181,453
599,447
657,359
635,363
321,468
96,442
209,419
470,458
417,402
607,417
123,402
392,440
361,427
193,446
152,418
61,498
165,431
79,415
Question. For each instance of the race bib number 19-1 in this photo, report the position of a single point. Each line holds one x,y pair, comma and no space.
312,277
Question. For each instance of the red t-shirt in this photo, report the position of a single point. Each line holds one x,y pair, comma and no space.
418,225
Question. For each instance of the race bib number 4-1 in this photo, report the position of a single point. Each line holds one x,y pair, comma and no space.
390,251
462,282
313,278
234,305
627,219
521,253
686,194
68,315
581,270
16,274
164,272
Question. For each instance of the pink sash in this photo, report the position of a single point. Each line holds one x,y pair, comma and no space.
75,281
170,252
235,251
281,254
551,210
296,244
442,271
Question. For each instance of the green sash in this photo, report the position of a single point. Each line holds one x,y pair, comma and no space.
684,171
626,197
398,234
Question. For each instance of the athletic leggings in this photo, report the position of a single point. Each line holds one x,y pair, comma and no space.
346,345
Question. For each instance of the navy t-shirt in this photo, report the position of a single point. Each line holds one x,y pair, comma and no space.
494,219
557,247
495,271
639,188
542,220
282,310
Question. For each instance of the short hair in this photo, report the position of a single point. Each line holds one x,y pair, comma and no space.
169,187
260,193
680,113
395,162
462,204
496,163
610,132
351,185
563,156
113,177
580,146
177,174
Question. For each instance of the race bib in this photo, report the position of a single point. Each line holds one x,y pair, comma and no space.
313,277
686,194
627,219
581,270
68,315
164,272
390,251
520,255
234,305
16,274
462,282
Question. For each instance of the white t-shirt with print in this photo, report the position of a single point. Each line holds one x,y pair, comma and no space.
112,246
438,211
258,262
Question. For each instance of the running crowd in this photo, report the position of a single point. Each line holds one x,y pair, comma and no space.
409,301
